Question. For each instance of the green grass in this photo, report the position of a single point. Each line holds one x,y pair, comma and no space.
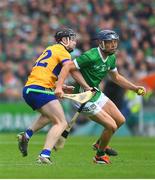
136,159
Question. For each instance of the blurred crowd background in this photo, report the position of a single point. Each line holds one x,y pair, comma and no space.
28,26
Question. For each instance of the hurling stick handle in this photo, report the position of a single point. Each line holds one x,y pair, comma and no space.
68,96
67,130
72,121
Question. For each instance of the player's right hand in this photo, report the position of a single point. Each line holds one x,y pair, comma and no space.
68,89
141,90
59,92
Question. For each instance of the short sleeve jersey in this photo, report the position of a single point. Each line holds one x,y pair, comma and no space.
94,67
48,66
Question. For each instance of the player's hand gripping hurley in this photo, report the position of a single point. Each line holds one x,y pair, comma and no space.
80,97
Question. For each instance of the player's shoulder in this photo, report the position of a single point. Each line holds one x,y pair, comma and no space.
56,47
92,50
59,49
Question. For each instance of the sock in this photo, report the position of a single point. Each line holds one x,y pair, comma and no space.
100,152
45,153
28,133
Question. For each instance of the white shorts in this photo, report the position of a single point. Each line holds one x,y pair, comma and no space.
92,108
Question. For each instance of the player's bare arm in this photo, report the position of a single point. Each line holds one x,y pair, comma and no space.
68,89
79,78
68,67
124,83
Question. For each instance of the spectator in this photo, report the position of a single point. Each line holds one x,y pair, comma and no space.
27,26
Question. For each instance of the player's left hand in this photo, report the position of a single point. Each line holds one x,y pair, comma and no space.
68,89
140,90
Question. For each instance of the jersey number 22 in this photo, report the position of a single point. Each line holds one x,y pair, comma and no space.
41,62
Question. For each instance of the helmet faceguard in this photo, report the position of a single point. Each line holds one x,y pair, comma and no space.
105,36
69,34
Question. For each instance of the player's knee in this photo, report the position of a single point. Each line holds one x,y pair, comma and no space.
121,121
112,127
60,122
64,124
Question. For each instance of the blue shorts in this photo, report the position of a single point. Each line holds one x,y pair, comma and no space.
37,100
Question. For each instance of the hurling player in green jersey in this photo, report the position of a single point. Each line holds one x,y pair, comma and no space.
94,65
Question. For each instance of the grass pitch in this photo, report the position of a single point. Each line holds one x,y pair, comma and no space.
136,159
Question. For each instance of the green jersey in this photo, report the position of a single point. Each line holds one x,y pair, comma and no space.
94,67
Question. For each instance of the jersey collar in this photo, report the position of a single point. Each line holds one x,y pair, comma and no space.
99,51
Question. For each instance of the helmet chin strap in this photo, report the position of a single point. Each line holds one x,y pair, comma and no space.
67,44
102,45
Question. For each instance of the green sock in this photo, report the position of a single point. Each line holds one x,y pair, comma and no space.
100,152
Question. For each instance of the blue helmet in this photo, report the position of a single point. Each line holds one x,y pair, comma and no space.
107,35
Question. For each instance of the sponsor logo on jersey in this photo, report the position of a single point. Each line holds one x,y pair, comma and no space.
102,68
